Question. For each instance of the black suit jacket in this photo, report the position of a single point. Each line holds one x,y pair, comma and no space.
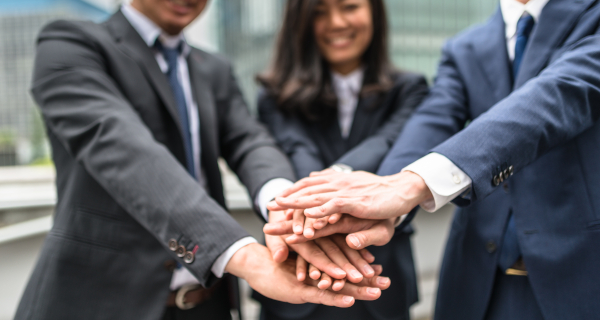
123,190
314,146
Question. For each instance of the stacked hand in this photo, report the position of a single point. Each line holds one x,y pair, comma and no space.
328,259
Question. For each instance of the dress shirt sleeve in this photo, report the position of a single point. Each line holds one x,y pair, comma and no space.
268,192
444,179
218,268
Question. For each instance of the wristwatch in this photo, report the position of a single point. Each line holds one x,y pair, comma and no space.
340,167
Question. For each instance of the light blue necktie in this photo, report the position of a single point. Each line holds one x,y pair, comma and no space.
510,252
171,55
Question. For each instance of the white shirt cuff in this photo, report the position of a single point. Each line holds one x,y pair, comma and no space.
268,192
218,268
444,179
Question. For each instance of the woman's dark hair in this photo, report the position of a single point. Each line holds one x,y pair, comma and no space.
299,77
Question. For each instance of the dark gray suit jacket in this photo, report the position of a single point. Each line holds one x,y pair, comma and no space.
314,146
123,190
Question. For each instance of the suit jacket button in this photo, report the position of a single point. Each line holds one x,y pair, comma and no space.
490,246
180,251
170,265
189,257
173,244
506,173
495,181
511,170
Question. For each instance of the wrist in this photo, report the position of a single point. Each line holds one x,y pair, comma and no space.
411,188
238,265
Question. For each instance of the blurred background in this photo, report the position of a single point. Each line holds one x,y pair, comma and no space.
243,31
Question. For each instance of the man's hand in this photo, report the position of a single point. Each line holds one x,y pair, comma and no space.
361,232
360,194
254,264
330,255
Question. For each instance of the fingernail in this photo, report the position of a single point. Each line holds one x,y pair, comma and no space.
309,233
300,276
355,274
383,281
373,291
368,270
290,238
348,299
315,275
339,272
298,229
354,241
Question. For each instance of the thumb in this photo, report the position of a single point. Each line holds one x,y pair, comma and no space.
278,247
378,235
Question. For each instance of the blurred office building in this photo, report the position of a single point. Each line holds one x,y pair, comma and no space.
243,31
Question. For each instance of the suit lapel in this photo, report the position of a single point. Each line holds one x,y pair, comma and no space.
130,42
557,19
489,46
362,118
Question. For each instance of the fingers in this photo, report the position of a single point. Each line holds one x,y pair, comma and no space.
322,205
382,283
361,292
367,255
320,223
338,284
313,254
278,228
298,221
306,201
325,172
335,253
380,234
355,258
289,213
301,266
310,294
278,247
313,272
334,218
325,282
309,230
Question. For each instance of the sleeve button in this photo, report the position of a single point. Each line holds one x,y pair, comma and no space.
173,244
180,251
189,257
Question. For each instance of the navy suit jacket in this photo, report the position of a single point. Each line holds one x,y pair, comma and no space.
314,146
545,125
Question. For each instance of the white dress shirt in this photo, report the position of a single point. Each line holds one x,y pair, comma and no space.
347,88
149,32
444,179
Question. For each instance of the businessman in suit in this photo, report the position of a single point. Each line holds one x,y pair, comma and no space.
524,171
137,119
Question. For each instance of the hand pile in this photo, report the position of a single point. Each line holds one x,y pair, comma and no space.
331,265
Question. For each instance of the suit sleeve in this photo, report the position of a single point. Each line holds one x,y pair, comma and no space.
291,136
85,110
370,152
442,114
246,144
556,106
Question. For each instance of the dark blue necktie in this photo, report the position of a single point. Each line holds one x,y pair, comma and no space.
171,55
510,252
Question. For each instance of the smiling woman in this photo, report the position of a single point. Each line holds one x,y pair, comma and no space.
332,97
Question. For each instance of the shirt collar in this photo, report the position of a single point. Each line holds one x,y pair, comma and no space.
352,81
149,31
513,10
